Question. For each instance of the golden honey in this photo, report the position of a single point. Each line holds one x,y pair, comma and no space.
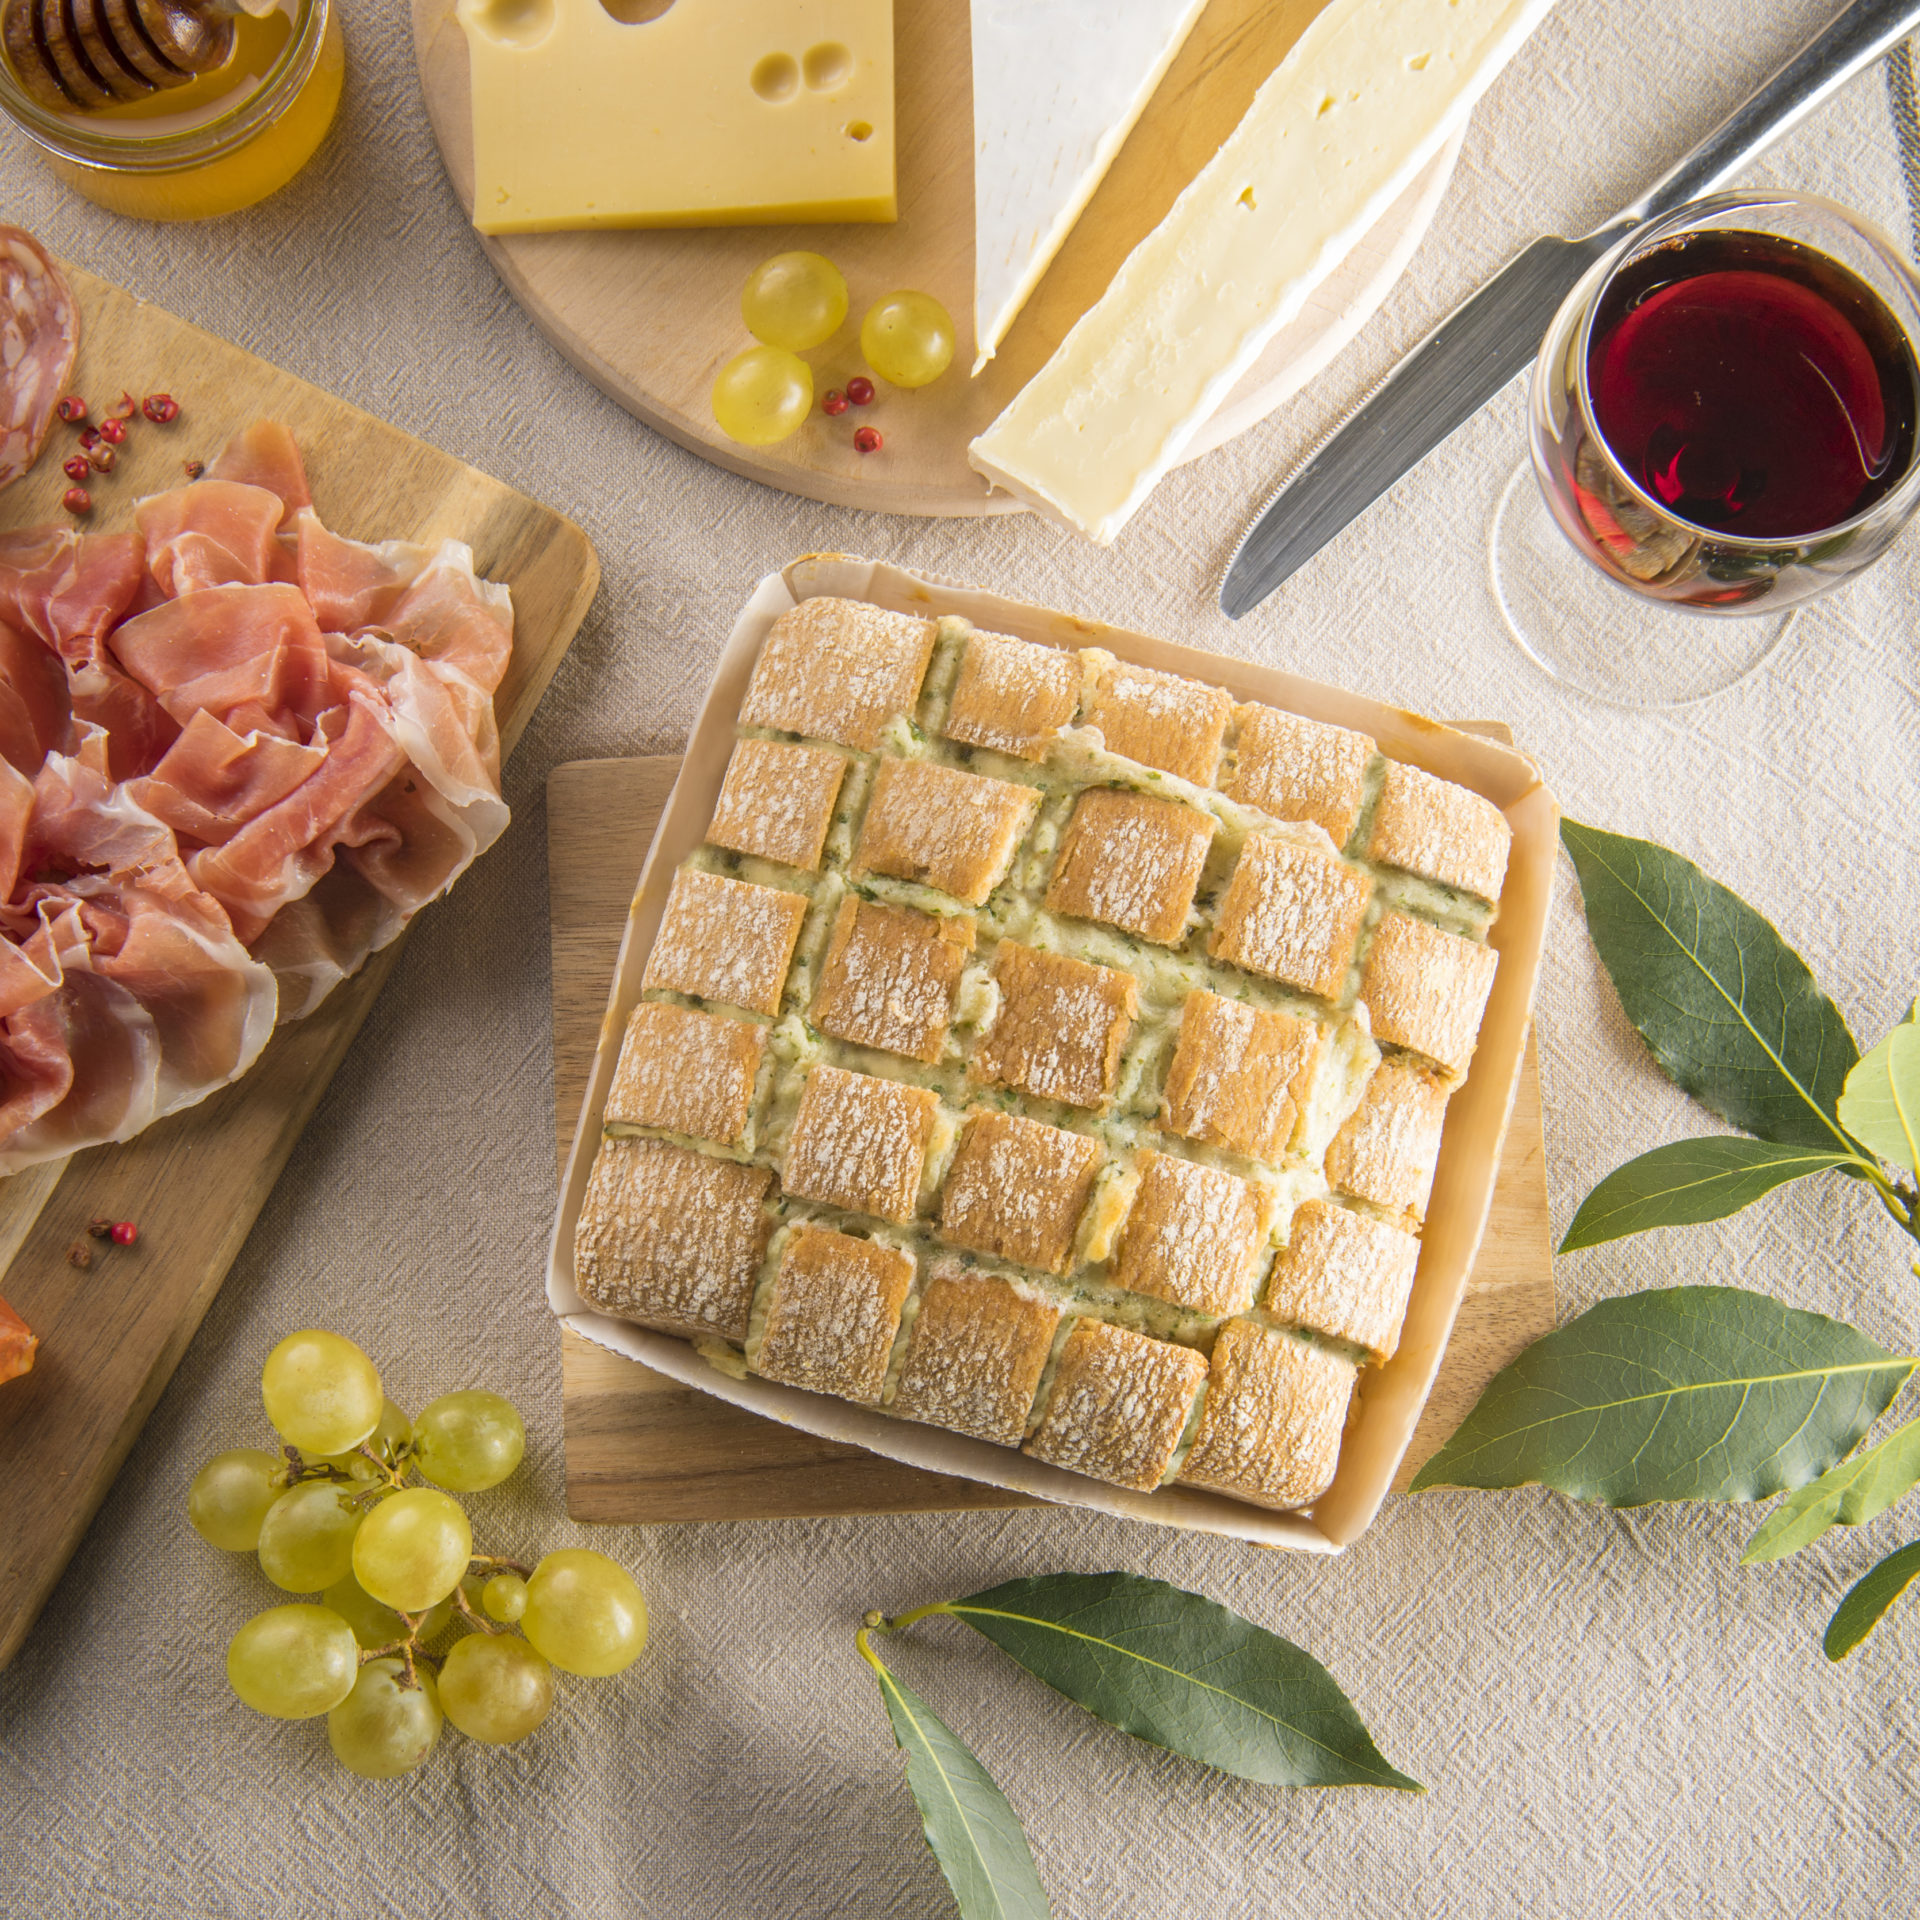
217,144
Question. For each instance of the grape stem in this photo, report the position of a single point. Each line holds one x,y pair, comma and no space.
500,1560
460,1600
404,1648
394,1471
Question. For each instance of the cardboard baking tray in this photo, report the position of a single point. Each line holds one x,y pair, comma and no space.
1388,1400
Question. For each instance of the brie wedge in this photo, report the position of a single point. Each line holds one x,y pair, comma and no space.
1369,94
1057,86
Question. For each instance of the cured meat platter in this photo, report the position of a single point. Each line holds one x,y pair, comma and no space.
650,316
111,1332
642,1448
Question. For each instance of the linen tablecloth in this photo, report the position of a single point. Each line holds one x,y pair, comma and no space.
1611,1717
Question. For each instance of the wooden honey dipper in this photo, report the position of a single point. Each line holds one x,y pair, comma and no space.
99,53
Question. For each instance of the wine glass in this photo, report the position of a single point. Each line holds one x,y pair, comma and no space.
1723,424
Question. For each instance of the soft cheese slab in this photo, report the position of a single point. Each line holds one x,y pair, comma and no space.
713,113
1370,93
1057,87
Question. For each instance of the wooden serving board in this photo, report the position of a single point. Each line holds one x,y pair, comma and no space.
651,316
110,1336
642,1448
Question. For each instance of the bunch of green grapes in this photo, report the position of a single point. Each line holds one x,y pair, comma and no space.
332,1514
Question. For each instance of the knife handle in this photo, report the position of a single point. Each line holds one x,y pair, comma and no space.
1859,33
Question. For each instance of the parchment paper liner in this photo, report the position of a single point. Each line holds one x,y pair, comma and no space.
1389,1399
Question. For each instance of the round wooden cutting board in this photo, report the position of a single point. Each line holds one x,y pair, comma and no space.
650,316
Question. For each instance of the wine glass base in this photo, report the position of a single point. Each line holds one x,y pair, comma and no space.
1581,629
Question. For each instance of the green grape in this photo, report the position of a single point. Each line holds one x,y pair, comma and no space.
306,1540
468,1441
377,1626
391,1432
496,1689
384,1727
412,1549
762,395
584,1612
293,1662
794,300
322,1393
504,1597
907,339
230,1496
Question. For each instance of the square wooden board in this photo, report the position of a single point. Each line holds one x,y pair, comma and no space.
111,1336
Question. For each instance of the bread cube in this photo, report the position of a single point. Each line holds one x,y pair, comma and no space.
1386,1150
838,670
889,977
1012,696
859,1143
672,1239
1060,1026
1133,861
976,1353
686,1072
1017,1189
1300,769
832,1311
777,801
1271,1424
1344,1275
725,940
1240,1075
946,829
1159,719
1118,1406
1440,831
1426,989
1292,913
1194,1237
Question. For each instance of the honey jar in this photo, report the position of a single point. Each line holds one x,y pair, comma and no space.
218,142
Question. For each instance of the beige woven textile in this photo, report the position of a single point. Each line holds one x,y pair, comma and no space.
1611,1717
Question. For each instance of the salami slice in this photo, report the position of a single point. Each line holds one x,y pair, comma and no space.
39,336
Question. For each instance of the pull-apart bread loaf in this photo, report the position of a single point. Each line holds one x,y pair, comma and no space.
1049,1049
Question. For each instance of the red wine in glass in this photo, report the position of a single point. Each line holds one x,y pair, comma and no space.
1751,385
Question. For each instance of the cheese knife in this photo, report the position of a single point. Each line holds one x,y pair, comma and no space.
1494,335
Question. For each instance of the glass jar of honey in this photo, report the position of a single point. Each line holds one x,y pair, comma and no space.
213,145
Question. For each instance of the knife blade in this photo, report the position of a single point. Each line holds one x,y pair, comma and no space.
1495,333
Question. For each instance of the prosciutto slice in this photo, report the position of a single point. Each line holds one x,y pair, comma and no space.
237,754
215,533
125,992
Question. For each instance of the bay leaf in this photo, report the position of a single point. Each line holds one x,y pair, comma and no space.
1866,1602
1680,1393
1690,1181
1880,1105
1849,1495
975,1836
1183,1672
1730,1010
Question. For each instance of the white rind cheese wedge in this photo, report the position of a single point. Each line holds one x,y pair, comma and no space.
1057,87
1369,94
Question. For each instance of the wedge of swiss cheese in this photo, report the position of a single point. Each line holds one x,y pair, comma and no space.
707,113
